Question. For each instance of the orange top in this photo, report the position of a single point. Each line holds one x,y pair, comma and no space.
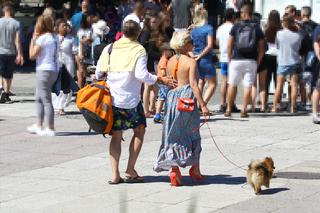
162,66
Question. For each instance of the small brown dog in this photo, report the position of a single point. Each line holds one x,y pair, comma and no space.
259,173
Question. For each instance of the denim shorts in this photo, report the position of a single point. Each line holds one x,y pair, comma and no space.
224,68
163,91
288,69
7,66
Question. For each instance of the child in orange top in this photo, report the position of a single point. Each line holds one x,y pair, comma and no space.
167,53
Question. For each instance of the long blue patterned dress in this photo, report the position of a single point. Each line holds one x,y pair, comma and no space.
181,141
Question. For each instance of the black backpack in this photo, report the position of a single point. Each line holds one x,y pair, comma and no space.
246,41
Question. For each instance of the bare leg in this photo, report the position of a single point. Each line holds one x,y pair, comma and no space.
201,85
246,98
212,82
7,84
224,87
81,73
262,89
315,101
254,95
294,92
115,152
303,93
159,106
153,98
231,95
134,150
146,98
277,96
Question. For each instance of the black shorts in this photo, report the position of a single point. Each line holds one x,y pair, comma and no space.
7,64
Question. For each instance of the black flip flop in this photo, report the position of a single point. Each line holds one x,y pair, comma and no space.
137,179
121,180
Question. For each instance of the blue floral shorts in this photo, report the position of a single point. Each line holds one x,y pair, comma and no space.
129,118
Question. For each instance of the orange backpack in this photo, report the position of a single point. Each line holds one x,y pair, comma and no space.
94,102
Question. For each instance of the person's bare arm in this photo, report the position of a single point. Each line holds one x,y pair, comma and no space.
194,86
230,47
169,9
317,49
261,50
19,58
34,49
208,48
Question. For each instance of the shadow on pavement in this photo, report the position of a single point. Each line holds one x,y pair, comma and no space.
223,119
273,191
208,180
73,113
298,175
62,134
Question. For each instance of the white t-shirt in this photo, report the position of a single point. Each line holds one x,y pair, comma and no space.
125,87
223,36
47,59
65,53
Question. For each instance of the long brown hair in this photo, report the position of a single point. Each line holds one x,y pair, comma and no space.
273,26
44,24
289,23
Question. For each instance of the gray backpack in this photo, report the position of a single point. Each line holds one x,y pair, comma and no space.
246,42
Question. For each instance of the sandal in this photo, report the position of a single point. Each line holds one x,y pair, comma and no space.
244,115
137,179
227,114
121,180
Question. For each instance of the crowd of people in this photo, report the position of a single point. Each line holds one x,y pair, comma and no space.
157,59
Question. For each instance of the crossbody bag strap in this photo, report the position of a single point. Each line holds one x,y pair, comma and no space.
174,72
109,53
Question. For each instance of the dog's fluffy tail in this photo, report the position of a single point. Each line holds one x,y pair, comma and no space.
255,164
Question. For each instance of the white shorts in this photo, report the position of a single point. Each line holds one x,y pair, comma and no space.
242,70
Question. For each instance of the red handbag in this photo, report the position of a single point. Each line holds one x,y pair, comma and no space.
185,104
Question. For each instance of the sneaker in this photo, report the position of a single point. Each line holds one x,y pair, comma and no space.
7,98
34,129
2,97
48,132
157,119
223,108
235,109
316,119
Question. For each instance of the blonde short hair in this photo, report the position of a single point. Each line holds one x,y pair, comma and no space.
200,15
180,39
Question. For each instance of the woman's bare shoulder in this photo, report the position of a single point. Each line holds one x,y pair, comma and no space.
187,60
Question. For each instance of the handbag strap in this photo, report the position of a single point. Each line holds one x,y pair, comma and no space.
175,70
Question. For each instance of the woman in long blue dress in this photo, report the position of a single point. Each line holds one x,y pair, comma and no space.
181,141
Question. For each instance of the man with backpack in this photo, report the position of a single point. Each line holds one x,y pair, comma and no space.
125,66
307,28
245,52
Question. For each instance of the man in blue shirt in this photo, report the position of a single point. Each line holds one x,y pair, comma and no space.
76,20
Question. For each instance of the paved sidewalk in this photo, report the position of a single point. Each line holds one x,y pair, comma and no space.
69,173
